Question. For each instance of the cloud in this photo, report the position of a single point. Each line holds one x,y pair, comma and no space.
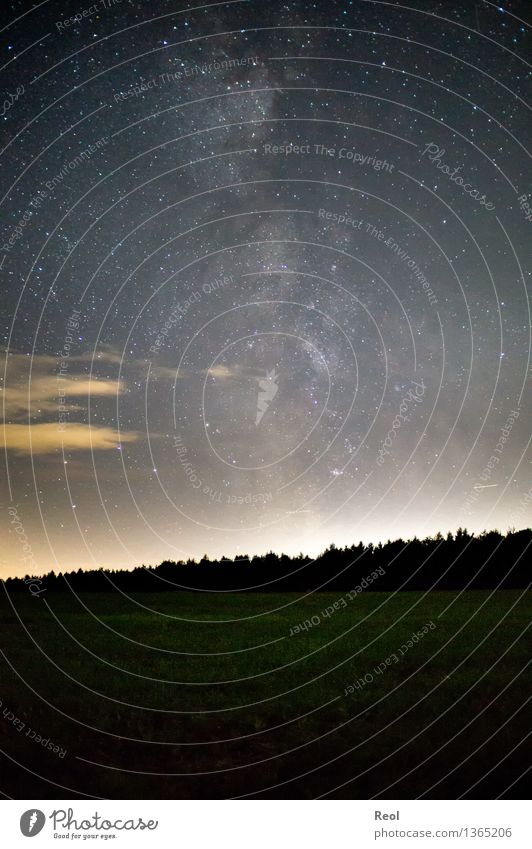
166,372
222,372
48,395
18,363
40,392
49,437
45,392
84,386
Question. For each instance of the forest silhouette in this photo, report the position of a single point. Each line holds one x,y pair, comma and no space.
455,562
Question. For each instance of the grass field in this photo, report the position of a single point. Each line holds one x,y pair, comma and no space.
184,695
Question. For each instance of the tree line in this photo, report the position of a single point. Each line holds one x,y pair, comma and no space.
461,561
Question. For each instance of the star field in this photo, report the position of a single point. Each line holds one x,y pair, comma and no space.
265,271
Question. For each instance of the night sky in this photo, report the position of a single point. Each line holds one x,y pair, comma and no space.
264,275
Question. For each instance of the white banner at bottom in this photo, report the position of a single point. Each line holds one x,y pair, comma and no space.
263,824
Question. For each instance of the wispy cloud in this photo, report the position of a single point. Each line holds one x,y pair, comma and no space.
48,437
41,396
39,393
44,394
221,372
167,373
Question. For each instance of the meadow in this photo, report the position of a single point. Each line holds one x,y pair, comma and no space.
200,695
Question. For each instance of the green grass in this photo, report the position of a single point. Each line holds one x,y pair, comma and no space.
123,674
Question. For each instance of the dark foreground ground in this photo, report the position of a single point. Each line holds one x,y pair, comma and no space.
183,695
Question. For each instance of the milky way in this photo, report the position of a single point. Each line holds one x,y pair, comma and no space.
265,269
